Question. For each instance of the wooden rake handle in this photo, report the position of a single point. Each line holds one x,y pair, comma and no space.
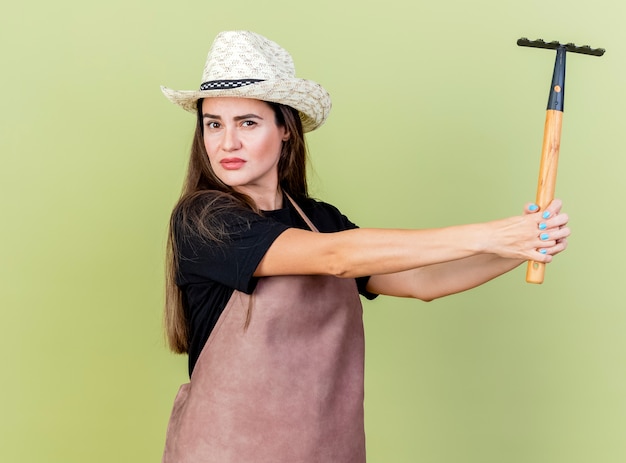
550,152
547,179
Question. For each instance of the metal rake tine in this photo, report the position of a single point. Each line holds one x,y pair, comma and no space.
555,45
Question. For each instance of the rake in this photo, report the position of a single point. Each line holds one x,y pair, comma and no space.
552,132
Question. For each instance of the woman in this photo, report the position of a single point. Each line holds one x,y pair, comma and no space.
263,281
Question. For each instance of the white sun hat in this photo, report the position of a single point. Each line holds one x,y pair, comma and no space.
247,65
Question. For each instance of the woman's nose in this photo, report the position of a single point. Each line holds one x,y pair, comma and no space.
231,140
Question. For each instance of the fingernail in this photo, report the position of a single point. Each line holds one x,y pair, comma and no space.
533,207
544,236
543,251
546,214
543,226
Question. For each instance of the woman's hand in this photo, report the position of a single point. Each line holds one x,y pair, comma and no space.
537,235
554,209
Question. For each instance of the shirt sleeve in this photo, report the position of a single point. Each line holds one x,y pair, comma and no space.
232,261
329,219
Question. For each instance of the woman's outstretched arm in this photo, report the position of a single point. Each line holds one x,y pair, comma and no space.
364,252
438,280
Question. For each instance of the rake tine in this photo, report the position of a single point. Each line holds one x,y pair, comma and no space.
554,45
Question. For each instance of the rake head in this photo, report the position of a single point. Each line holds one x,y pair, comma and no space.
554,45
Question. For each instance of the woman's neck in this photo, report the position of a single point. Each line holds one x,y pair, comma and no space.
266,201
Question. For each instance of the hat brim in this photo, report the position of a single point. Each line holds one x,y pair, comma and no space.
307,97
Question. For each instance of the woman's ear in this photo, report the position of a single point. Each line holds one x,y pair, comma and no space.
286,136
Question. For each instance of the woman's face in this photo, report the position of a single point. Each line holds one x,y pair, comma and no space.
243,143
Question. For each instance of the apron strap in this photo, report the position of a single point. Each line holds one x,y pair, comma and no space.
301,212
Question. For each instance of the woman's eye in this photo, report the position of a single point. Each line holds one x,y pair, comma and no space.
248,123
213,125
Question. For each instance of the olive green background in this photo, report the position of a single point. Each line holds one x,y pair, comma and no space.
437,120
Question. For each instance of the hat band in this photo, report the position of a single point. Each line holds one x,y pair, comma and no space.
218,84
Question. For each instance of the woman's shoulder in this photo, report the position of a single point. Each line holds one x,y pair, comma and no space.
211,215
325,216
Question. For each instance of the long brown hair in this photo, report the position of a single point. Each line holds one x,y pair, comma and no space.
204,193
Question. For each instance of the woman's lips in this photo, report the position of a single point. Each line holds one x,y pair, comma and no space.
232,163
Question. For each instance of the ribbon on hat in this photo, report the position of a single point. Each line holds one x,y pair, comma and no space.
219,84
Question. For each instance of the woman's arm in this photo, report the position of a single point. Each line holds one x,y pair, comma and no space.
438,280
363,252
